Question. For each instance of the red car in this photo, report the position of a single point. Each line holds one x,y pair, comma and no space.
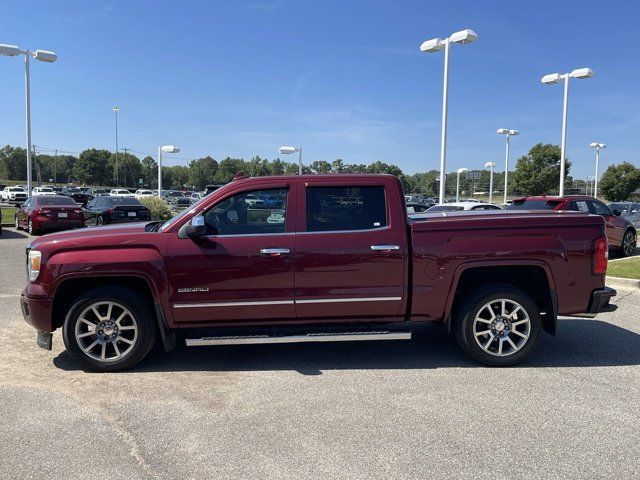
42,213
621,233
338,259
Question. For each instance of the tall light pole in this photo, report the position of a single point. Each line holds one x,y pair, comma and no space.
435,45
490,166
555,78
460,170
288,150
509,133
161,150
597,146
43,56
116,109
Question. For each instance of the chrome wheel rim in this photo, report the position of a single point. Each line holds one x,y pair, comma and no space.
502,327
628,243
29,226
17,223
106,331
99,221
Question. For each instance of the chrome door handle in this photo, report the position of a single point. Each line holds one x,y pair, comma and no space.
274,251
384,248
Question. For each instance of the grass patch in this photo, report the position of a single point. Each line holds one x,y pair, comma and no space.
7,215
629,268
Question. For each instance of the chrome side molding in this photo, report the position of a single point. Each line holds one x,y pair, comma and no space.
311,337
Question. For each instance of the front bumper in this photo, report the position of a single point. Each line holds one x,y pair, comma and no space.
600,298
37,312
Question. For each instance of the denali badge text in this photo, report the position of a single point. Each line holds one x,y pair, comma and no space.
193,290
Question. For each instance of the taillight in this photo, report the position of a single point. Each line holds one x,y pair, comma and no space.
600,256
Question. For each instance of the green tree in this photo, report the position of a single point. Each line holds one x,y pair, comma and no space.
321,166
202,172
228,169
619,181
92,167
13,163
150,171
129,169
538,172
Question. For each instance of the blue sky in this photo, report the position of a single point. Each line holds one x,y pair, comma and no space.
345,79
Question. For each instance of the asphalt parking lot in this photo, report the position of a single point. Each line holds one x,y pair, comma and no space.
417,409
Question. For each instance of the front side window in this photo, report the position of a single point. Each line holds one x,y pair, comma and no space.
240,214
345,208
598,208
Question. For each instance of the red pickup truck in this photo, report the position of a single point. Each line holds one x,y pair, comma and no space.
314,258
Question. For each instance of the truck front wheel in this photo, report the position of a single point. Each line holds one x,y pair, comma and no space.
498,325
109,329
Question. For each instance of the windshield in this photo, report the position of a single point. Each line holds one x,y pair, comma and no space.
444,208
16,189
121,201
56,201
45,190
73,190
623,207
181,215
533,204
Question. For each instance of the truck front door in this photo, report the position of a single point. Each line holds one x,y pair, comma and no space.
243,271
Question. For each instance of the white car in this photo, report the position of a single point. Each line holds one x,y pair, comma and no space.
277,216
14,194
462,206
253,201
42,191
143,193
120,192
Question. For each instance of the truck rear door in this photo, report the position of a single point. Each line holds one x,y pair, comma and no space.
351,250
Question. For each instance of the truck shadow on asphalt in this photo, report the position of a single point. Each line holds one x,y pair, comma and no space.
580,343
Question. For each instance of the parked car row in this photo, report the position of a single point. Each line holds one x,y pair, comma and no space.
57,212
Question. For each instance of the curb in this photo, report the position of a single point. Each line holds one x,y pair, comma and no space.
617,282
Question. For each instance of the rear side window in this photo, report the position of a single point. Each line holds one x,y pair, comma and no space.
345,208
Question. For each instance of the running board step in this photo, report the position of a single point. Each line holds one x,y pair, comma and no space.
311,337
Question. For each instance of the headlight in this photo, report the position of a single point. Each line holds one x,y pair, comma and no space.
33,264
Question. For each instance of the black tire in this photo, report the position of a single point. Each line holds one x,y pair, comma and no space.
465,326
143,341
629,243
30,229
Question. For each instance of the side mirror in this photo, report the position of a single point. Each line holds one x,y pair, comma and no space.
194,229
617,212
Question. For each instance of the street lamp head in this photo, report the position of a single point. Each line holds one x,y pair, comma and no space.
169,149
116,108
464,36
551,78
286,150
9,50
462,170
45,56
502,131
433,45
489,165
582,73
597,145
514,133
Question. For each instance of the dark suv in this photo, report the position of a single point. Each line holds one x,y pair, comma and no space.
621,233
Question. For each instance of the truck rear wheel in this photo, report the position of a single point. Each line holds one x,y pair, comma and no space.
498,325
109,329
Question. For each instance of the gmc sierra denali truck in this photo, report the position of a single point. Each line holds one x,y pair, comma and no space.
334,258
